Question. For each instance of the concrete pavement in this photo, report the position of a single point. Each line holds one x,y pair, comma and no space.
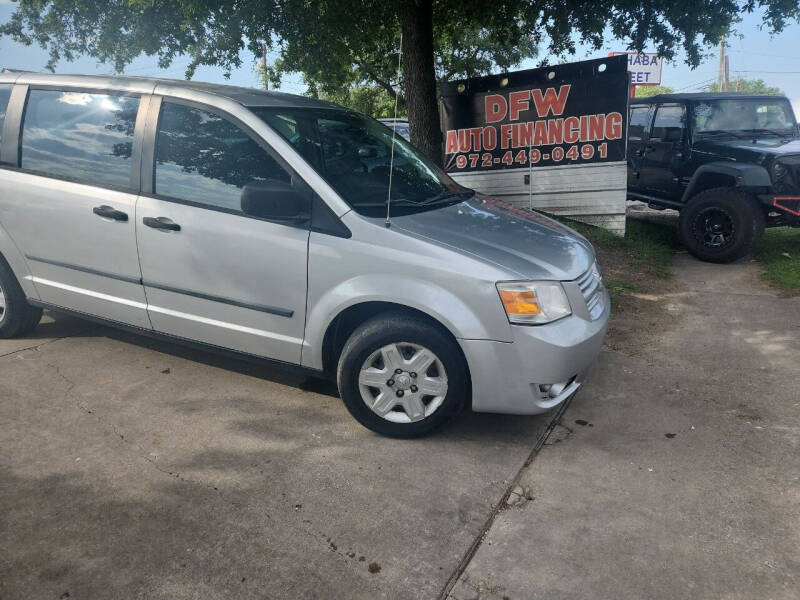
676,473
137,469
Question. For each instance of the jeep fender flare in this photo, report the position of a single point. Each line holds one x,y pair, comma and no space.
745,175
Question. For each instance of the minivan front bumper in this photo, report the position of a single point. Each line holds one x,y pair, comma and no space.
541,368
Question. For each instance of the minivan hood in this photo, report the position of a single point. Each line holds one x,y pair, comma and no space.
525,242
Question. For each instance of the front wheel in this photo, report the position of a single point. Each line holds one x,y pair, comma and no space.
721,225
401,376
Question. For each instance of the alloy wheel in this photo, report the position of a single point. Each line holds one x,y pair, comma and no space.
403,382
714,227
2,304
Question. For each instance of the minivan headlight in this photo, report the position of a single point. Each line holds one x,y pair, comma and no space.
533,302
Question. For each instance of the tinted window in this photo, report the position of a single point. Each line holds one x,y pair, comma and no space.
79,136
668,124
668,116
202,157
354,154
639,122
744,114
5,93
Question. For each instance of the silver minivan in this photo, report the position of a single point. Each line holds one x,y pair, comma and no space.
256,222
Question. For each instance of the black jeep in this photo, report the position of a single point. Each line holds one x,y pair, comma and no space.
730,163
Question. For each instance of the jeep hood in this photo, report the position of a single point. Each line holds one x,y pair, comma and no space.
527,243
772,146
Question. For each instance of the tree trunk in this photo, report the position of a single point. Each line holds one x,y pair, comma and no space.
416,17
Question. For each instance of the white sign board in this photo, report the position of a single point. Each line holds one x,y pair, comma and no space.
644,68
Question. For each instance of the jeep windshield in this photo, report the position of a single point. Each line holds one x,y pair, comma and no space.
353,153
744,117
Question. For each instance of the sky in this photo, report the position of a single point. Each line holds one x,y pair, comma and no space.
752,52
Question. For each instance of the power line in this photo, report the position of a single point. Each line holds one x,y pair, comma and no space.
769,72
699,83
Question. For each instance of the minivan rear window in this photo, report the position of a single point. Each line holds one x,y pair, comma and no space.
5,94
80,136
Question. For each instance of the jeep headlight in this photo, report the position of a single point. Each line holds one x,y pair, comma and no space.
779,171
534,302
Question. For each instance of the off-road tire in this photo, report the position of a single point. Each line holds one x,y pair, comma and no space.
737,209
18,317
397,328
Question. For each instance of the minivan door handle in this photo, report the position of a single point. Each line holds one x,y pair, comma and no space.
162,223
109,212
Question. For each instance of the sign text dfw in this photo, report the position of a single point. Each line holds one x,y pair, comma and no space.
549,129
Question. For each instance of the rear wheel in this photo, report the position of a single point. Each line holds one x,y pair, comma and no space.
721,225
401,376
17,317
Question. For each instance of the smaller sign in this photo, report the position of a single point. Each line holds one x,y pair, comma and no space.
644,68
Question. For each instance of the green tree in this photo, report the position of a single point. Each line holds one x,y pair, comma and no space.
748,86
645,91
346,43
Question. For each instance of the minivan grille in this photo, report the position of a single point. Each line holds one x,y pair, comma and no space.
591,284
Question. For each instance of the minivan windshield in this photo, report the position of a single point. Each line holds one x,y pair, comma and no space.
744,116
353,153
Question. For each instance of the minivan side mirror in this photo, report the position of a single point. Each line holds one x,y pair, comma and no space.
274,200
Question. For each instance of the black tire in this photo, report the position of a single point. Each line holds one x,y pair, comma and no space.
397,328
17,317
721,225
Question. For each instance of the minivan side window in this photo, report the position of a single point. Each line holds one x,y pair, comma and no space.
639,123
203,158
5,94
80,136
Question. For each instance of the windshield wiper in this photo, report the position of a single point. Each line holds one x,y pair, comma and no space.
736,134
767,131
448,196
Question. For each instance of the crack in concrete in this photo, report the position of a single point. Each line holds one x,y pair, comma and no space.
36,347
455,576
483,589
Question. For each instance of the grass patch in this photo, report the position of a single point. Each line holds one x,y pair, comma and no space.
647,244
779,269
618,290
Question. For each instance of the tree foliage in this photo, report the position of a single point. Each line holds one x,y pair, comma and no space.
748,86
645,91
339,45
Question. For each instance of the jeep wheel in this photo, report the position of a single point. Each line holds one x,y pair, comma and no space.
721,225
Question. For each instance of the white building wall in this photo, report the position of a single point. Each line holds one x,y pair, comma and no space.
593,193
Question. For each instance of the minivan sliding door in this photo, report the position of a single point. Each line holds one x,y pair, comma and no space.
70,202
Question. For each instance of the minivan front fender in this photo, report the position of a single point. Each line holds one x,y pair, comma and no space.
440,304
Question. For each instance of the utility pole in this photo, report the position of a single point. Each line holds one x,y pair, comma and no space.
264,64
722,70
727,73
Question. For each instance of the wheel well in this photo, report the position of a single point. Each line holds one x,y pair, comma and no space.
710,180
349,319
